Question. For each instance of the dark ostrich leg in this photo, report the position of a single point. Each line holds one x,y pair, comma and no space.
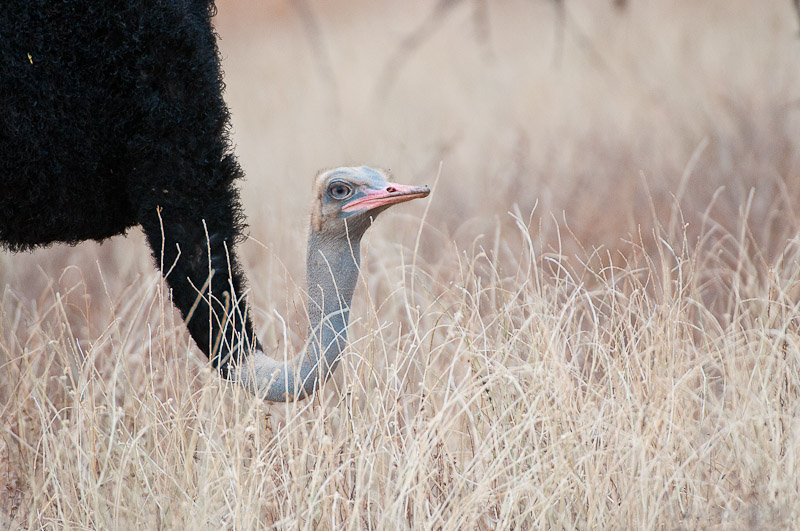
194,247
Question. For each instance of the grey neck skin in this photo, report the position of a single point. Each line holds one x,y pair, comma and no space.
332,266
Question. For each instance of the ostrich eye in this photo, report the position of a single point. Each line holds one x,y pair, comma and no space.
339,190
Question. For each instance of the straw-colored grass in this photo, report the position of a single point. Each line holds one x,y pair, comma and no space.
591,323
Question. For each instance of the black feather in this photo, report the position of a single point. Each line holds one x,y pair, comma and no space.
113,116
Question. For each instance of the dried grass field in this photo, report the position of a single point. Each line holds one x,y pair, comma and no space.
591,323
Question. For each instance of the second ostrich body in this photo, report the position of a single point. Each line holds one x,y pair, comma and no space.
346,202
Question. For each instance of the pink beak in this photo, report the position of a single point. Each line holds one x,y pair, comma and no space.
390,194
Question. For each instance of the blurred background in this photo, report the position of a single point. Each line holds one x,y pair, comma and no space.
590,109
593,121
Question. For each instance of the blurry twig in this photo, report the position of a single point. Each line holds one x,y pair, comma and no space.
566,22
797,8
319,49
558,49
409,44
483,27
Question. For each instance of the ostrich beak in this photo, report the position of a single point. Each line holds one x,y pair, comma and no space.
388,194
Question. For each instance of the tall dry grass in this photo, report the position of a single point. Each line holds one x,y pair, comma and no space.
591,323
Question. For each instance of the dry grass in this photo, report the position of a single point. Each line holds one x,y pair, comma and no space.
593,324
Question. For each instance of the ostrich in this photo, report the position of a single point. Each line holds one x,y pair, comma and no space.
346,202
112,116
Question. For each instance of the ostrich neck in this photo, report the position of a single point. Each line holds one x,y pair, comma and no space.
331,276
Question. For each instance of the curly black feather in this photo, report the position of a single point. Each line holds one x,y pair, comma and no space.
113,116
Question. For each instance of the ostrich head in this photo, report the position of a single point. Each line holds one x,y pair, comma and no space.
348,199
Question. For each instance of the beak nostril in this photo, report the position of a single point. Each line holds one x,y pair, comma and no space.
391,189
